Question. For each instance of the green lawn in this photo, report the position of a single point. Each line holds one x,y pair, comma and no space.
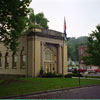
29,85
94,77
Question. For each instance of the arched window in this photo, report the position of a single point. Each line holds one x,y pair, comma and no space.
23,58
47,55
0,60
6,60
14,61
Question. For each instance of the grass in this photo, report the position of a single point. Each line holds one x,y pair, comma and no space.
94,77
28,85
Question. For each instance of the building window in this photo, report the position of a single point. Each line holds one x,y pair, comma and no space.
23,61
47,55
0,60
81,51
6,60
14,60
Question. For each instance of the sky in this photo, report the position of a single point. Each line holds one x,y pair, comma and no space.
82,16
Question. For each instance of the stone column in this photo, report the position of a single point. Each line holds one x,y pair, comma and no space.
65,66
42,55
63,60
59,60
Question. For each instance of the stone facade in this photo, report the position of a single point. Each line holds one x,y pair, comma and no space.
38,49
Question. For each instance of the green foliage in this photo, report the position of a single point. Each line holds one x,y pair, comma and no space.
41,20
41,72
75,71
16,18
12,21
36,20
73,44
94,77
71,51
77,75
68,76
93,51
51,75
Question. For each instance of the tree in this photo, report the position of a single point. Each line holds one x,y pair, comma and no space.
13,15
71,51
41,20
93,51
73,44
37,20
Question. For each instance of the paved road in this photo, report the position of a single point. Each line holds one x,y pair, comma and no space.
77,93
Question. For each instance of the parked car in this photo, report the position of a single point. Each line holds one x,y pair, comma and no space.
91,71
82,70
69,69
97,70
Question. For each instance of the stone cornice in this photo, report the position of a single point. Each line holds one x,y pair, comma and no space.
46,33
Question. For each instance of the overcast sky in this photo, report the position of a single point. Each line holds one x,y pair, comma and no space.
82,16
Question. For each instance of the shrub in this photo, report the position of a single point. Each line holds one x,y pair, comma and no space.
48,75
68,76
41,72
58,75
51,75
75,71
77,75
